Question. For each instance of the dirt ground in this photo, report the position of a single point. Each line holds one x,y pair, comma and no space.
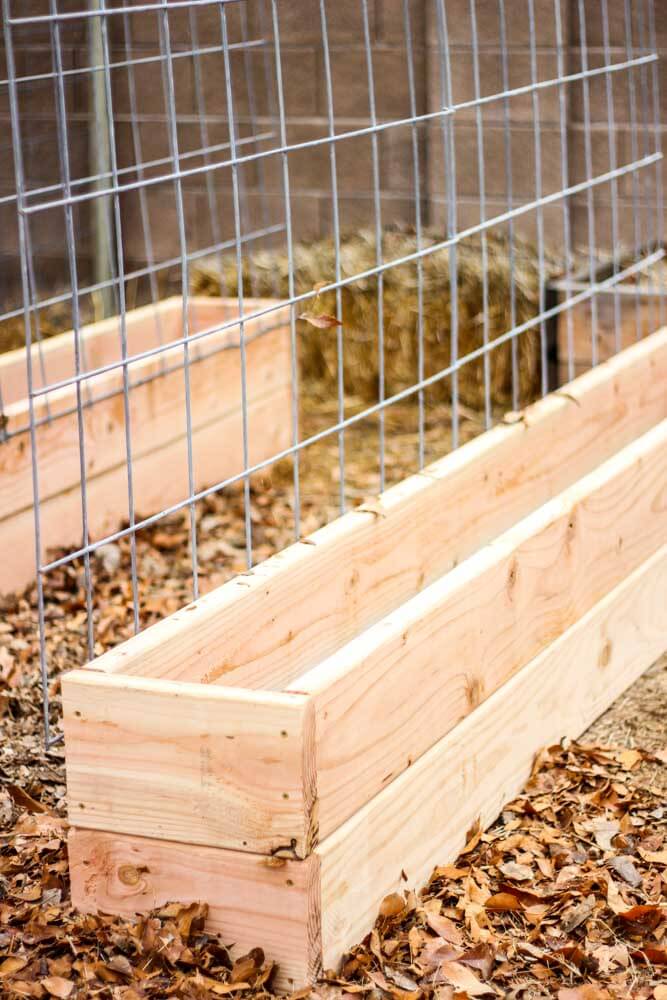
564,897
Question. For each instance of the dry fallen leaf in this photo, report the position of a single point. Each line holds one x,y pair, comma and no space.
392,905
10,966
445,928
625,868
603,831
503,901
56,986
654,857
465,979
587,992
519,873
323,321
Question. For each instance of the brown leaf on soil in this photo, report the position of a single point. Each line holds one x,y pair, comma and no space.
10,966
519,873
603,831
465,979
625,868
503,901
56,986
654,857
587,992
445,928
643,918
480,957
392,905
655,956
25,801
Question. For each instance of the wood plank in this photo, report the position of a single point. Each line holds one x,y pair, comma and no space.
394,691
145,328
253,901
634,320
102,346
217,452
421,819
157,411
184,762
300,606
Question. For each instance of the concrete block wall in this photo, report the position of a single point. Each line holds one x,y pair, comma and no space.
208,203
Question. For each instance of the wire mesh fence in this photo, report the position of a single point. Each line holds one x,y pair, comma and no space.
262,259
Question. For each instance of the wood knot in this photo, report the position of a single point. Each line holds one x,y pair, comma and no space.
474,691
512,577
130,874
605,654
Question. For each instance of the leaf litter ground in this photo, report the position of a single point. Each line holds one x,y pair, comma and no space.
565,896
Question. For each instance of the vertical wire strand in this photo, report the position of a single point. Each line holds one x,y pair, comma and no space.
565,182
271,106
449,156
537,139
377,211
657,127
611,132
634,144
137,149
509,189
590,203
165,47
200,104
120,265
254,131
414,135
481,174
22,219
651,233
290,267
239,273
63,150
340,370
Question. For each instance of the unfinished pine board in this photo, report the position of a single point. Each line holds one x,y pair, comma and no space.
299,606
395,690
253,901
417,822
185,762
637,314
158,430
102,345
145,328
219,443
422,818
390,694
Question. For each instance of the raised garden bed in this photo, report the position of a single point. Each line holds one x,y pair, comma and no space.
296,744
624,314
157,421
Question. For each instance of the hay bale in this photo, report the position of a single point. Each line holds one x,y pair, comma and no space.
265,273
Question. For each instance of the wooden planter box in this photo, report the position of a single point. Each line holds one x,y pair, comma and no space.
157,422
311,735
637,307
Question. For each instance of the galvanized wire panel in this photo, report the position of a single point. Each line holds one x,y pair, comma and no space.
443,188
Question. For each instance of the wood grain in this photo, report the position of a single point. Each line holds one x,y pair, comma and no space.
101,345
253,901
300,606
184,762
394,691
421,819
160,465
217,449
157,412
